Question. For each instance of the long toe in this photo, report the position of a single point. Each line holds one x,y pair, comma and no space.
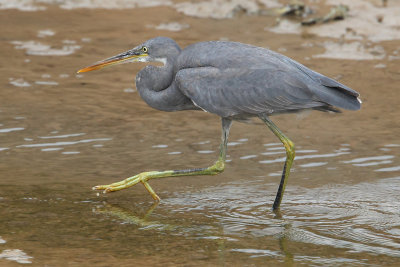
99,187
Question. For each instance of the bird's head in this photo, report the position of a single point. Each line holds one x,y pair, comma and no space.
158,49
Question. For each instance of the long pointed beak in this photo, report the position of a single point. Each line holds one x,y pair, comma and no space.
129,56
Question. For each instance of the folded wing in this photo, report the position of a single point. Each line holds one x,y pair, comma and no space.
234,91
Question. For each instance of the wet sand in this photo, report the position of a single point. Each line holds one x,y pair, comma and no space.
62,133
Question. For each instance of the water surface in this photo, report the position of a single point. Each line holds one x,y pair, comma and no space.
62,133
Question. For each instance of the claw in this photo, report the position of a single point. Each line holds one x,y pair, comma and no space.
139,178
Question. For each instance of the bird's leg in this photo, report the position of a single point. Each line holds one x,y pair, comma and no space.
290,153
143,177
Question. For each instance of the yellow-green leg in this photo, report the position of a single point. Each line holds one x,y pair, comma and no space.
290,153
144,177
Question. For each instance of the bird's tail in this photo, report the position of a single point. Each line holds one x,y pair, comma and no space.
339,97
332,92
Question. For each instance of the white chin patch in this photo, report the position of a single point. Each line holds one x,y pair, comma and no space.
140,59
163,60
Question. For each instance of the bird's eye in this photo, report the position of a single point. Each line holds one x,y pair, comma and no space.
145,49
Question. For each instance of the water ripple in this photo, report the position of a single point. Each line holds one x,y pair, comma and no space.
66,143
62,136
342,216
305,157
390,169
358,160
7,130
313,164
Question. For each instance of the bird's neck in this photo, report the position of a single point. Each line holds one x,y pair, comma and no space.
156,87
155,78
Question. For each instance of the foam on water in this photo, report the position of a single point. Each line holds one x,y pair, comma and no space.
352,51
45,33
380,66
16,255
20,82
112,4
22,5
35,48
129,90
33,5
171,26
46,83
285,26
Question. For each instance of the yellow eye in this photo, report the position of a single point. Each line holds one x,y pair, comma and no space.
144,49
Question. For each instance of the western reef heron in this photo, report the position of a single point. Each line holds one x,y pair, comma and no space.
232,80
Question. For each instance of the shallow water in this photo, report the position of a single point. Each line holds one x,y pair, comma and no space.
62,133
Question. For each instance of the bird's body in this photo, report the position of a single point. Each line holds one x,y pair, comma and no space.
237,80
232,80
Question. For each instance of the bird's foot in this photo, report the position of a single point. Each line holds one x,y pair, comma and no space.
144,177
131,181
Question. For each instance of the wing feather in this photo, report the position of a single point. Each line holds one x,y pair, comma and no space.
232,92
254,79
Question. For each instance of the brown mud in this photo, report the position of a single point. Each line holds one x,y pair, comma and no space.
62,133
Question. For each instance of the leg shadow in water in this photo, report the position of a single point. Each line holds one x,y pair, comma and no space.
127,216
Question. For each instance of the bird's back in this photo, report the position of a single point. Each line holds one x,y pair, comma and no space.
222,55
237,75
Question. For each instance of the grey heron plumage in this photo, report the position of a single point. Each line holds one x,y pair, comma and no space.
232,80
